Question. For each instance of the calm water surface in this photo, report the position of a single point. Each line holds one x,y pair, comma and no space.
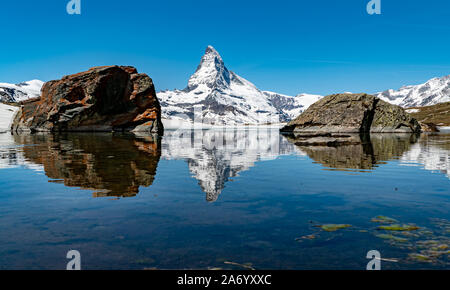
201,199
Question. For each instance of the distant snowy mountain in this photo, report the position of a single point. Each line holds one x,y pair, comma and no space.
289,107
20,92
432,92
224,98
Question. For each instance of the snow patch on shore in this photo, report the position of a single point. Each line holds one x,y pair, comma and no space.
6,115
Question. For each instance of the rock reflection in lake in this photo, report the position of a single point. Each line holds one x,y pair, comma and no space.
362,152
108,164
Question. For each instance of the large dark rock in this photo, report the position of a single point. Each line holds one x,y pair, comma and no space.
110,98
352,113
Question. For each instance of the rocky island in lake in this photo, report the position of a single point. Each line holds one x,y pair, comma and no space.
339,119
109,98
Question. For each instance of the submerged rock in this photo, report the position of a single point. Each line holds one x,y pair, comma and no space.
247,266
353,113
384,220
397,227
420,258
333,227
110,98
307,237
392,238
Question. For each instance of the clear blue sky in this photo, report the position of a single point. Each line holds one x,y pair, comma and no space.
320,46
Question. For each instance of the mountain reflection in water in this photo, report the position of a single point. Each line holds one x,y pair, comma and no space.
118,165
216,156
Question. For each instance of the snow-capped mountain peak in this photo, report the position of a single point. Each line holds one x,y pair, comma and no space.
211,71
227,98
33,85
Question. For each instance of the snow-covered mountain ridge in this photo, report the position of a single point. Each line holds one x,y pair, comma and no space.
215,95
224,98
434,91
20,92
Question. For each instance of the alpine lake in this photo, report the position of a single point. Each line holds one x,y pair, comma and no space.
232,198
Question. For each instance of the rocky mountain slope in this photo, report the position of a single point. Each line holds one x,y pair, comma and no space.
438,114
432,92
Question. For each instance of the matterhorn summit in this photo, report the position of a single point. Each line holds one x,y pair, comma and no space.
211,72
217,96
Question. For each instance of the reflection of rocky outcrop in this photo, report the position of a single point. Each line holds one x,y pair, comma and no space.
111,165
369,151
391,146
216,156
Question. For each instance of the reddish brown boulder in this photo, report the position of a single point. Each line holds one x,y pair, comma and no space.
109,98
